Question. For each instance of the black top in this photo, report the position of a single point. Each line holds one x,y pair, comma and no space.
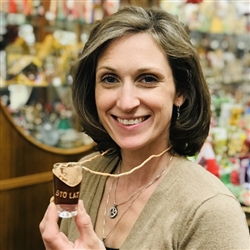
108,248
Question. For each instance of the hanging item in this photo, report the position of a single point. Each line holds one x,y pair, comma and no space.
110,7
88,11
60,11
27,7
194,1
12,6
74,7
50,15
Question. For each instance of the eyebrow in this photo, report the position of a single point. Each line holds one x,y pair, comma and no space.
106,68
141,70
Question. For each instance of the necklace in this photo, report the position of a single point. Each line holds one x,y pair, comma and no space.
108,174
114,209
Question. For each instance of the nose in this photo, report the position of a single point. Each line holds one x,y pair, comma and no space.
127,98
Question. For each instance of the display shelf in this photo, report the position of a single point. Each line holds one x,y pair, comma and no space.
26,182
56,150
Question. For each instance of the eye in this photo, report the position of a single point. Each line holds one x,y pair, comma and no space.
109,79
148,80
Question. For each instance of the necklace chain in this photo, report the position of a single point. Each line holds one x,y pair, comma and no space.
135,195
113,211
115,203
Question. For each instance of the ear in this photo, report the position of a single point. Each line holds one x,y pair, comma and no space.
179,99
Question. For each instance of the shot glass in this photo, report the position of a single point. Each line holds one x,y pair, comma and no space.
67,179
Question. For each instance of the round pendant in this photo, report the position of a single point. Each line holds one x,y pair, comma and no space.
113,211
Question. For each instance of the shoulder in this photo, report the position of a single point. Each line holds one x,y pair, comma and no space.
208,209
194,189
195,179
218,223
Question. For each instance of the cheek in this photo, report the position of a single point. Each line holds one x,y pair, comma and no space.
163,100
103,101
99,96
98,100
165,107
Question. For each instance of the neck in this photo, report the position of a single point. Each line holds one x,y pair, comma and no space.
149,170
133,158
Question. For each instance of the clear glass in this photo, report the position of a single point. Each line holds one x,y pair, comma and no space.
66,210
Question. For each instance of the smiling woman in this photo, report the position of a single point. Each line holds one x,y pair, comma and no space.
187,135
135,96
140,93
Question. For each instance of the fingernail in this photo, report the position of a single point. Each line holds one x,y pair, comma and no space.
52,199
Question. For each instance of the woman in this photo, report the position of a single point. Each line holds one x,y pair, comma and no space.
140,91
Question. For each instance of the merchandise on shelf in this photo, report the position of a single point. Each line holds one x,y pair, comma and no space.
37,88
52,120
220,17
226,153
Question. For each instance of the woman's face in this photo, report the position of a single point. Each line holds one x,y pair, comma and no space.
135,93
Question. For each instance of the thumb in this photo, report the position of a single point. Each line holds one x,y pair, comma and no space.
83,220
85,227
88,237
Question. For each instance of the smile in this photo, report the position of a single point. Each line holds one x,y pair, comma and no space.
131,121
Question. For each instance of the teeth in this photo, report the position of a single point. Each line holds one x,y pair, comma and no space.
131,121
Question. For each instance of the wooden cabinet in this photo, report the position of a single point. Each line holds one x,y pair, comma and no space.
26,183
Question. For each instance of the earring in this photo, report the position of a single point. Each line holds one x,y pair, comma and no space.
178,113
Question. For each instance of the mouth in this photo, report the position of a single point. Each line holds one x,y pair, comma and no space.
130,122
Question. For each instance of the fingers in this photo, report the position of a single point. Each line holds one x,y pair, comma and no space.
55,240
50,218
52,238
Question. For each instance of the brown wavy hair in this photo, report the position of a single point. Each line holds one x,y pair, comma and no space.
188,133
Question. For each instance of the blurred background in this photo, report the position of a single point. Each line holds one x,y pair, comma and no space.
40,41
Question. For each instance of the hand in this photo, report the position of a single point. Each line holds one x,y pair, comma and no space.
55,240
